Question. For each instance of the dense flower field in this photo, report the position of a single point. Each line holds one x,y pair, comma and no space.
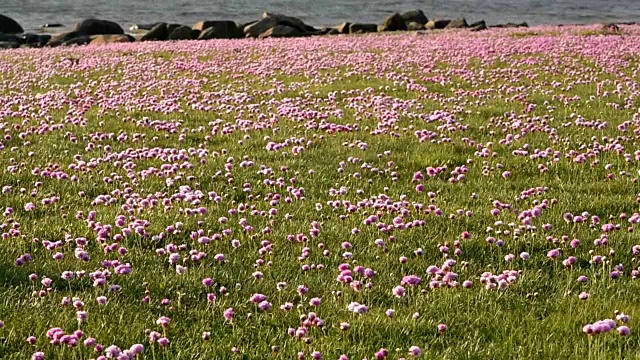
454,196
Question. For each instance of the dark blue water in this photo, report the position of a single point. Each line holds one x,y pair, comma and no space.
33,13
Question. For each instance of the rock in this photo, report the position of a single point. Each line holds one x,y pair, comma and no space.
437,24
157,33
181,33
111,39
242,26
254,30
343,28
362,28
98,27
394,22
9,26
415,16
457,24
11,38
9,45
478,26
280,31
59,39
286,20
80,40
144,26
510,25
334,31
34,40
218,30
171,27
415,26
610,27
52,25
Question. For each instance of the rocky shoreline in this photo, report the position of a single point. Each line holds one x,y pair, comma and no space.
271,25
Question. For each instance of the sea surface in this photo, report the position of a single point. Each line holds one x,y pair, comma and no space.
32,14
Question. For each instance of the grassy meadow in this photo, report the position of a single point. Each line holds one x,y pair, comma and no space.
452,195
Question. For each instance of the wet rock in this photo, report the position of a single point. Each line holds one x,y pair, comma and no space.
394,22
98,27
158,33
218,30
362,28
52,25
9,26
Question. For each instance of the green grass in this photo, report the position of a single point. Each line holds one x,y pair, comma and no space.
538,317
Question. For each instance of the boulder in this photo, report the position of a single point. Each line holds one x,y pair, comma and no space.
111,39
415,26
59,39
286,20
218,30
144,26
9,26
334,31
280,31
9,45
254,30
98,27
510,25
181,33
362,28
394,22
52,25
343,28
415,16
80,40
457,24
437,24
157,33
478,26
171,27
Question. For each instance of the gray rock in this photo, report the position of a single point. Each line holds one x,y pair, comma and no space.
280,31
457,24
9,26
254,30
158,33
362,28
437,24
98,27
286,20
9,45
181,33
218,30
415,26
343,28
478,26
415,16
171,27
394,22
80,40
